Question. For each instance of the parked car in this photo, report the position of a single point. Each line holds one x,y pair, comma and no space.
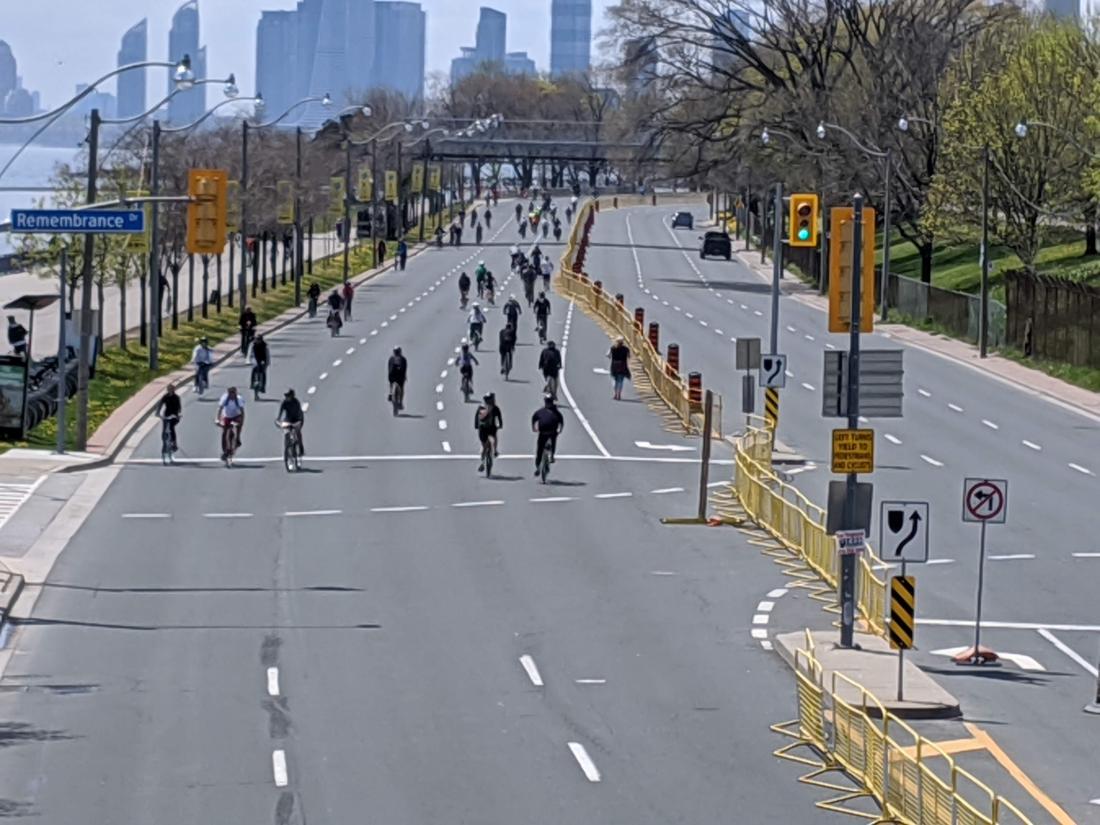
685,219
716,243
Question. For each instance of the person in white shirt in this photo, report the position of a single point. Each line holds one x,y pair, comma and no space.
476,321
547,271
231,408
203,359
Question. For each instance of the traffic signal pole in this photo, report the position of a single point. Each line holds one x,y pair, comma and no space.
154,257
848,561
777,265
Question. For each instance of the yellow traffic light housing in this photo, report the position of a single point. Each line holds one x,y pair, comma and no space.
207,211
841,246
804,220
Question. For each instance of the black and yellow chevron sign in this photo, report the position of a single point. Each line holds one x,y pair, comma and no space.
903,609
771,407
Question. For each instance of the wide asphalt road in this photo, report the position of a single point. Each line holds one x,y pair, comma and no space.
390,637
1042,566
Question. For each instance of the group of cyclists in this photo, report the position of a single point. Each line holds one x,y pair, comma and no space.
547,421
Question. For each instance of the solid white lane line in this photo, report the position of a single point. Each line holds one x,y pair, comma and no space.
298,513
494,503
565,387
273,681
990,424
446,446
1011,557
614,495
760,618
931,460
1069,651
227,515
1031,445
532,670
955,407
924,392
591,681
439,406
778,593
413,509
893,439
665,490
759,633
809,387
550,499
278,768
585,761
146,515
1081,469
1069,628
442,424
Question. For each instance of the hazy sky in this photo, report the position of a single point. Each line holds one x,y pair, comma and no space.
59,43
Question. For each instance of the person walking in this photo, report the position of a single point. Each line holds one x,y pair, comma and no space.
380,254
348,294
620,365
17,336
402,253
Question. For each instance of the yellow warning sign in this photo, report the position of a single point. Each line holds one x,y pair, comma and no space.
903,609
771,408
853,451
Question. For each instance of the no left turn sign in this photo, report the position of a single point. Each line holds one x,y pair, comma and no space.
985,500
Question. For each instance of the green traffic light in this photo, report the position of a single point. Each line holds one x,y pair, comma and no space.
804,233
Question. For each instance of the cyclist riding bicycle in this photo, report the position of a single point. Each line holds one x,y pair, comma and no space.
463,287
476,321
488,219
512,310
465,361
550,366
547,271
507,345
488,422
292,415
548,423
490,287
230,410
260,357
542,311
397,369
170,411
527,275
203,359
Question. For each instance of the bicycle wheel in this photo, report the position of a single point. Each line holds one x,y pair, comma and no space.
395,398
544,464
166,447
290,451
487,453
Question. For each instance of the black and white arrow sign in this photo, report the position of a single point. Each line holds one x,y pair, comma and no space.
903,531
773,371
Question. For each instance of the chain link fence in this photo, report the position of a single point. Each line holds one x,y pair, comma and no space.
1054,318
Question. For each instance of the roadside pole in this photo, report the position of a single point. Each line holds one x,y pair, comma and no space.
978,610
901,654
154,257
985,500
61,387
777,266
84,356
847,560
299,241
983,301
704,468
1094,706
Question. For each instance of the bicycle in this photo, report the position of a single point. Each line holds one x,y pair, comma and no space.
292,446
475,335
551,387
506,364
490,296
397,397
487,457
168,438
544,464
229,440
259,380
541,326
467,387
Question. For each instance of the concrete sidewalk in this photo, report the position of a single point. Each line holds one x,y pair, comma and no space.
946,347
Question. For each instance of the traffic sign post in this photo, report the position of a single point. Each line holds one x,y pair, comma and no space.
985,501
903,611
747,358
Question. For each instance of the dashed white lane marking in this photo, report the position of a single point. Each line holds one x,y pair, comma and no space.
759,633
532,670
362,341
300,513
412,509
703,323
893,439
830,346
374,332
442,424
443,374
227,515
766,644
338,362
439,406
665,490
718,332
311,390
760,618
349,351
614,495
1011,557
662,573
393,317
590,681
146,515
439,388
744,307
689,316
766,606
384,324
940,561
1031,445
273,681
278,768
808,337
955,408
924,392
758,313
1080,469
446,446
550,499
677,308
778,593
305,407
493,503
322,376
1073,654
585,761
788,373
864,420
1086,555
791,329
990,424
930,460
806,386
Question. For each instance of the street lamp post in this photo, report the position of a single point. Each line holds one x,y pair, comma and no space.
887,157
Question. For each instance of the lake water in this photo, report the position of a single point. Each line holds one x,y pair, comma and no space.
35,167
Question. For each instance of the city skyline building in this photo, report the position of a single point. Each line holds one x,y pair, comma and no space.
134,48
519,63
183,39
492,32
401,29
277,59
490,49
570,37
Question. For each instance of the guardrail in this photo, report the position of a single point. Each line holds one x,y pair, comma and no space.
574,283
796,522
911,778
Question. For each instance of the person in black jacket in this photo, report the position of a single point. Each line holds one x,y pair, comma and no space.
397,370
550,366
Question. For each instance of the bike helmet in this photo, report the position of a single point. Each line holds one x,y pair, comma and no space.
481,263
476,305
512,296
288,394
489,398
397,350
548,400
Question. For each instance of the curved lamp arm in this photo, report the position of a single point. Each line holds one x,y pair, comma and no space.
439,130
408,125
823,126
325,100
208,114
1023,126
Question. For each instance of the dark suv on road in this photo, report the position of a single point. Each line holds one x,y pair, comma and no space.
685,219
716,243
